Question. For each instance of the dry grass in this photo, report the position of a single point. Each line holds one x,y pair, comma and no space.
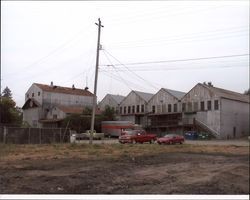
13,152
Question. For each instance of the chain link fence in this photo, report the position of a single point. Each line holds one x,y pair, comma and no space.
17,135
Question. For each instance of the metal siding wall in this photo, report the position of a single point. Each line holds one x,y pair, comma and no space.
162,98
234,114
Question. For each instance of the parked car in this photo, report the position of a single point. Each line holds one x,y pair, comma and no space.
191,135
204,136
84,136
171,139
137,136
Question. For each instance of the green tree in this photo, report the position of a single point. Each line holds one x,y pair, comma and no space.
109,113
9,113
7,93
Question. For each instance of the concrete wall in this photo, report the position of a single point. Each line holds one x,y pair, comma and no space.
32,116
210,118
234,114
161,100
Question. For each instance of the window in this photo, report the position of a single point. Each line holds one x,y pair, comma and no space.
175,107
142,108
153,109
124,109
164,108
28,95
54,116
120,110
133,109
169,107
33,94
209,105
38,94
34,123
202,106
195,106
216,104
137,108
189,106
129,109
158,108
183,107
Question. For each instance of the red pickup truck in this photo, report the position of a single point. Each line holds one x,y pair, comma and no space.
137,136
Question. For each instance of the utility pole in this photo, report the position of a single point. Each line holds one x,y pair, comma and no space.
95,86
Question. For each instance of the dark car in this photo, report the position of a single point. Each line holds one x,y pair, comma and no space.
191,135
171,139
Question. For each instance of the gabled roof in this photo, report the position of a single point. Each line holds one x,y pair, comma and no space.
64,90
175,93
227,93
31,103
117,98
143,95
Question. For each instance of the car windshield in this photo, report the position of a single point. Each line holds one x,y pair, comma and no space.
129,132
169,136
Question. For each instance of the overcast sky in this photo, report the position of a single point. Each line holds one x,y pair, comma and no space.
56,41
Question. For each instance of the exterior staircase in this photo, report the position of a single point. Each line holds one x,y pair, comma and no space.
205,127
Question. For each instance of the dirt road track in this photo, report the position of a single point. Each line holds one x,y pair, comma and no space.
170,173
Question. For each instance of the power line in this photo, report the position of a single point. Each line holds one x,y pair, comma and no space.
181,60
116,71
54,51
132,71
230,30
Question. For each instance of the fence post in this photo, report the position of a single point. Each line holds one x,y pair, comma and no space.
54,138
40,136
60,135
5,131
29,137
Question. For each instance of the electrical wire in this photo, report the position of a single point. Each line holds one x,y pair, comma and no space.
186,36
182,60
131,71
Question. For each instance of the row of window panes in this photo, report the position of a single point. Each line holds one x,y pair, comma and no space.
163,110
131,109
188,106
33,94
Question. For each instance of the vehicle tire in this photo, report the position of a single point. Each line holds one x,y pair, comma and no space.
180,142
159,143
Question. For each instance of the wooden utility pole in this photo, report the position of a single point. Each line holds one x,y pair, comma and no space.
95,86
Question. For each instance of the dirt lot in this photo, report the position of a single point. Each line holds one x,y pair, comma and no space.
124,169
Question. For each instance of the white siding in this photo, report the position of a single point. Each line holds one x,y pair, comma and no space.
108,100
32,116
66,99
34,92
234,114
55,113
161,100
133,100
